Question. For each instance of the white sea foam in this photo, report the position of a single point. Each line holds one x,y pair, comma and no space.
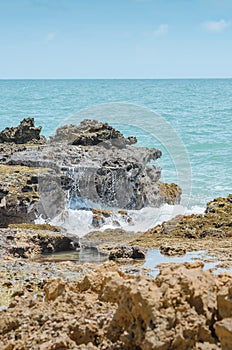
79,222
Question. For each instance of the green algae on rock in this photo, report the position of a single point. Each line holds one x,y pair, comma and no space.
36,227
215,222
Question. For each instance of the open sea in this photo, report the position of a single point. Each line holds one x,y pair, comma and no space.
189,120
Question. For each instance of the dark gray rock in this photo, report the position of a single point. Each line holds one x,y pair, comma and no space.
26,193
90,133
114,177
170,250
23,133
127,253
102,167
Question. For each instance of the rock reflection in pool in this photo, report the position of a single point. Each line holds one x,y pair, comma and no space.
82,256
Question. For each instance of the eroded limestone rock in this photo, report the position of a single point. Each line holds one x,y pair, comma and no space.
23,133
224,333
110,310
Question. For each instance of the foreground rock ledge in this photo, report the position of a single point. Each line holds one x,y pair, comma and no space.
184,308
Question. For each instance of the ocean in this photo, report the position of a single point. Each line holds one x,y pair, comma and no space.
190,120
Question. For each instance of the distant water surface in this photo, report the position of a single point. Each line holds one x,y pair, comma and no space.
199,110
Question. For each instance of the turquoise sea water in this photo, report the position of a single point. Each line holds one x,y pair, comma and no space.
200,111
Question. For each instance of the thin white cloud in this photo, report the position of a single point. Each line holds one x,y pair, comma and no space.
216,26
50,37
161,30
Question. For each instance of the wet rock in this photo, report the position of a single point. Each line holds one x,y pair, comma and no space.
101,217
30,241
34,227
216,222
109,239
102,212
102,167
169,193
26,193
43,242
98,221
172,250
127,253
220,205
8,149
25,132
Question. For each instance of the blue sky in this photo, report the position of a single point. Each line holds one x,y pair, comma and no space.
115,38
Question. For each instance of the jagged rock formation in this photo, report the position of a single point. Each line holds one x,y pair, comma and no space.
23,133
184,308
91,133
99,166
27,192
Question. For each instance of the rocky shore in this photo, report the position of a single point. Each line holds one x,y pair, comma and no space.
93,163
210,231
184,308
67,305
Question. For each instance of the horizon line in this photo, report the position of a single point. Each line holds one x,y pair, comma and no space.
161,78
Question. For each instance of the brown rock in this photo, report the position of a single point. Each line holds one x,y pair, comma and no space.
110,310
54,289
127,253
224,333
105,213
169,193
224,301
32,240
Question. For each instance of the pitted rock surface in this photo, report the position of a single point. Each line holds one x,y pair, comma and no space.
110,310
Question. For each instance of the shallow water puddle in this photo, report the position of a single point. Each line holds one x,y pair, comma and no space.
154,258
82,256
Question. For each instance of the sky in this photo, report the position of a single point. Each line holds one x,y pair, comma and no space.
115,39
